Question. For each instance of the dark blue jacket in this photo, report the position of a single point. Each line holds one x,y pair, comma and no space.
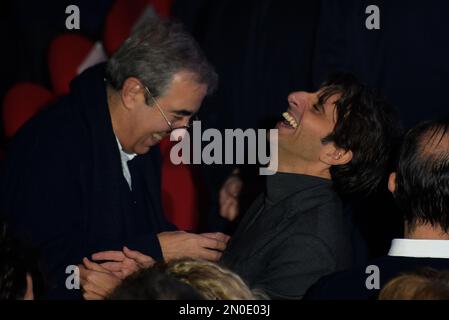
63,189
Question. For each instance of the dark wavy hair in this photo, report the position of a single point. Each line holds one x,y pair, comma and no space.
368,126
422,179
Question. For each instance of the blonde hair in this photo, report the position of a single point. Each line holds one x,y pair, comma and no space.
211,280
425,284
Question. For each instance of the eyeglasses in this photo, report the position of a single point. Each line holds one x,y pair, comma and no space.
170,124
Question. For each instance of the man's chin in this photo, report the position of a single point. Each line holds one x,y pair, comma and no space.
142,149
145,147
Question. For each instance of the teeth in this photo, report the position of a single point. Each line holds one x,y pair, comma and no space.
157,136
290,119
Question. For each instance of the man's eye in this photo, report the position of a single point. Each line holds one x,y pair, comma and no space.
318,107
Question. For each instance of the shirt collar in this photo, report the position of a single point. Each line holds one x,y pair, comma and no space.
281,185
124,155
418,248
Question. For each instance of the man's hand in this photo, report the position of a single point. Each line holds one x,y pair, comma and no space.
229,197
97,282
123,263
179,244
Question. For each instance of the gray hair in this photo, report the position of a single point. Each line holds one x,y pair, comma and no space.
154,53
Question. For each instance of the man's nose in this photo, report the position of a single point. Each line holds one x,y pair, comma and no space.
298,99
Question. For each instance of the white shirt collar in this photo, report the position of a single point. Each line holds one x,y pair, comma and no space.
417,248
125,155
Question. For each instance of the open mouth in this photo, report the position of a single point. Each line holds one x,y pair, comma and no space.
289,120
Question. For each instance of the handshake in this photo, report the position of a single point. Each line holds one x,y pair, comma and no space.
98,280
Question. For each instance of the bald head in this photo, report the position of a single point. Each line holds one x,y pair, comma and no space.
422,181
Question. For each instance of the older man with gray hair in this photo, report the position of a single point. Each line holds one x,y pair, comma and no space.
83,176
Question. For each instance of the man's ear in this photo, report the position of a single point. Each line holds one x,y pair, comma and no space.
29,294
132,93
335,156
392,182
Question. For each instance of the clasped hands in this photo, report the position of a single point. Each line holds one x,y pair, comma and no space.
98,280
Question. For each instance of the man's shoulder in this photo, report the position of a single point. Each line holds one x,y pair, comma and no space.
322,216
351,284
55,129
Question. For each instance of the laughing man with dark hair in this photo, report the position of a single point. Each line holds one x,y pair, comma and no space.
333,142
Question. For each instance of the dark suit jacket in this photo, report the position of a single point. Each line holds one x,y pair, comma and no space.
351,284
62,188
293,243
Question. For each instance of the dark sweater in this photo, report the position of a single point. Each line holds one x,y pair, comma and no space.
292,235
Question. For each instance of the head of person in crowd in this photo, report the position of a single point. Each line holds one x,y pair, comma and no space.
211,280
156,80
421,183
424,284
19,275
183,279
345,131
153,284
